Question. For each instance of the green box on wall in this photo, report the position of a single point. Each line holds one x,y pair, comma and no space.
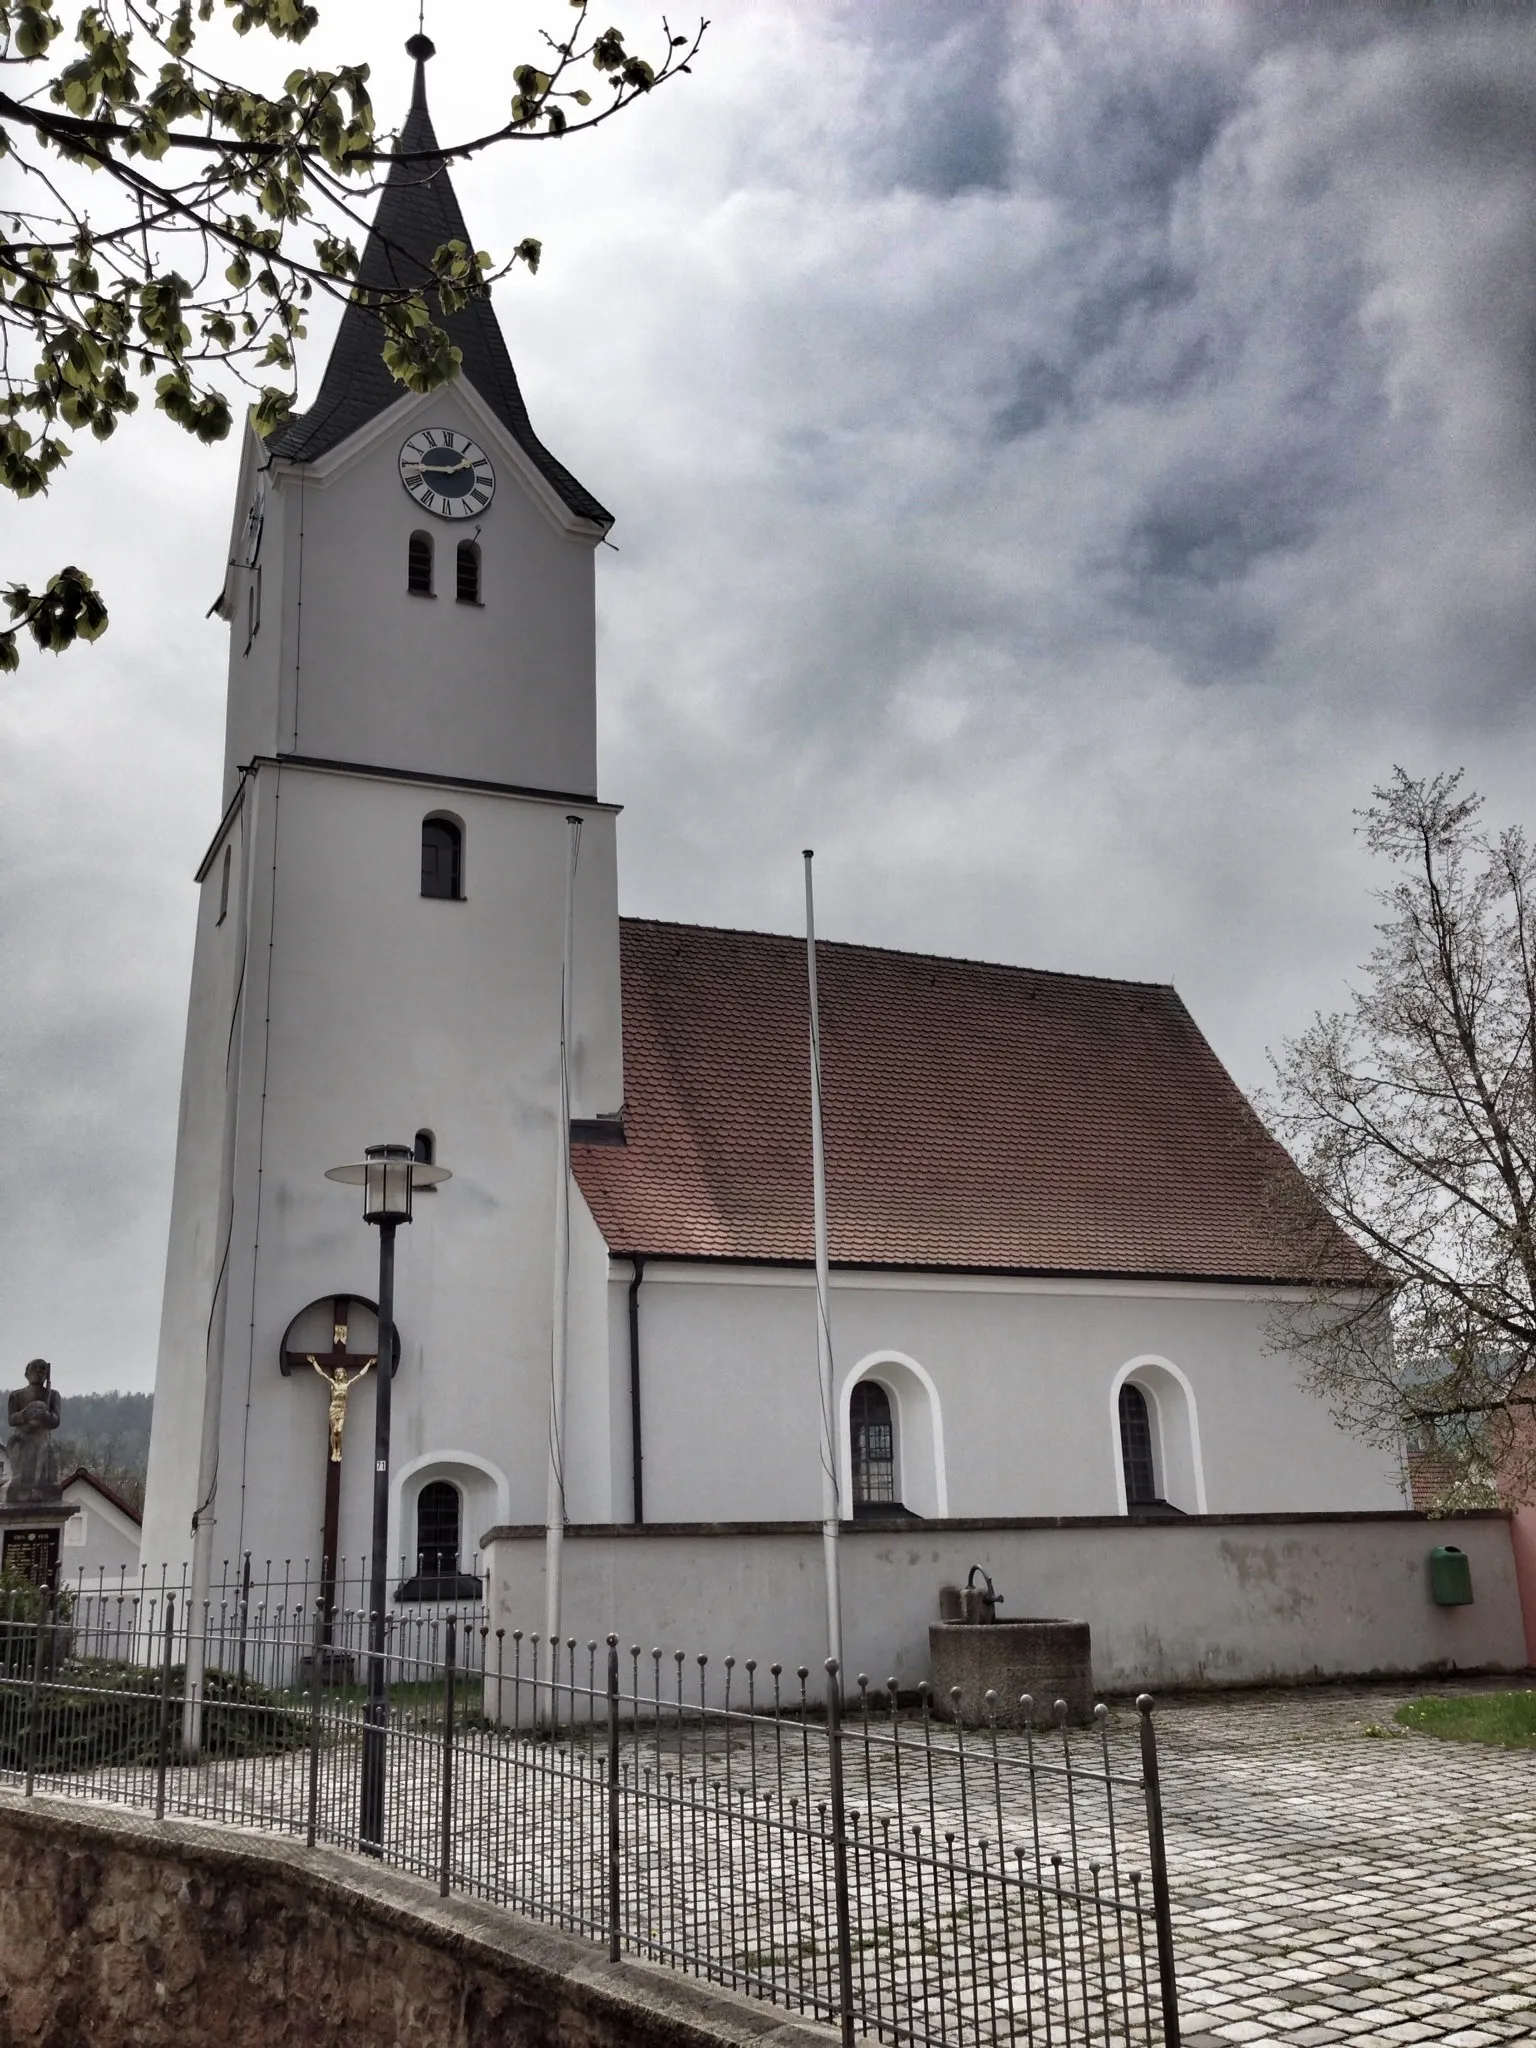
1450,1576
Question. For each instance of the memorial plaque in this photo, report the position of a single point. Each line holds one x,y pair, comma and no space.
33,1554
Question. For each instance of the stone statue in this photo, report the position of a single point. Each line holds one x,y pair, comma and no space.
341,1383
33,1414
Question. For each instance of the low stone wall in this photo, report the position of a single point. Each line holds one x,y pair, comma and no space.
1201,1600
116,1930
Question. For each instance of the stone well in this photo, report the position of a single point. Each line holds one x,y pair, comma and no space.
1049,1660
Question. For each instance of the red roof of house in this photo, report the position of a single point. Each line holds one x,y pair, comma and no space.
977,1117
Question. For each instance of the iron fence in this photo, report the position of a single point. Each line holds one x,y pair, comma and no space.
837,1850
246,1625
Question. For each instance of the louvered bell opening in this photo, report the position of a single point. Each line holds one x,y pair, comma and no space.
418,577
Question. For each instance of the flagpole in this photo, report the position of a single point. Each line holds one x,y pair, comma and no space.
554,1511
831,1508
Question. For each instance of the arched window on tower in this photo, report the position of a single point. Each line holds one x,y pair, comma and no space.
442,858
439,1541
469,572
224,885
872,1440
418,568
437,1529
424,1152
1136,1448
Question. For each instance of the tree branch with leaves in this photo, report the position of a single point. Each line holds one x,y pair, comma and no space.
174,225
1412,1115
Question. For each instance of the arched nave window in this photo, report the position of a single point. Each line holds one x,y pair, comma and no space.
1136,1448
872,1442
1157,1440
442,858
418,565
468,572
891,1440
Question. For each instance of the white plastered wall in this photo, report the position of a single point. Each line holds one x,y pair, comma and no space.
1022,1377
383,1012
349,665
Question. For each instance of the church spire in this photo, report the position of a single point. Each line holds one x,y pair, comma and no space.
421,47
418,212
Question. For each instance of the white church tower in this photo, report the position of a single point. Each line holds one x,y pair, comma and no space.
379,953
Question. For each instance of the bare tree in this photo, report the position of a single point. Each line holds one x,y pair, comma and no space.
169,222
1412,1115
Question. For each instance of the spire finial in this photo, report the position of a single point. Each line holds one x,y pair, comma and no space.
421,47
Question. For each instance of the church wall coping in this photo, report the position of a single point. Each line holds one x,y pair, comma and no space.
424,777
437,781
526,1532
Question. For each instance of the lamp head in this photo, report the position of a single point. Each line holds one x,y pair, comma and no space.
388,1176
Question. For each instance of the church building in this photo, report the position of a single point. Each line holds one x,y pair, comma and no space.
1054,1229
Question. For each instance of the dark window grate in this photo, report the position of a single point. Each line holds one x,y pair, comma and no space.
437,1529
1136,1448
441,851
469,572
418,572
873,1439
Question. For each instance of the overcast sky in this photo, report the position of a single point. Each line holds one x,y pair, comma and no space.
1062,457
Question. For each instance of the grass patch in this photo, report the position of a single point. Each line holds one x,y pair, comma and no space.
1505,1720
95,1713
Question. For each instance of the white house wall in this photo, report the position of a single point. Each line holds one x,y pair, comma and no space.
99,1544
1023,1373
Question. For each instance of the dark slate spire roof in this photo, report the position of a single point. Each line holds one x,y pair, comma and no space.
417,213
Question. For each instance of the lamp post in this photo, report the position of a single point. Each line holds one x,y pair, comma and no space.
388,1176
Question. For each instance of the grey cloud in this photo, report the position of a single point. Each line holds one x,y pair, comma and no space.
1063,456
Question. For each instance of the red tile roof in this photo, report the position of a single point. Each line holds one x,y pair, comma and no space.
977,1117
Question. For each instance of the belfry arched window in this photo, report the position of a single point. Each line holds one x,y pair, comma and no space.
468,589
424,1152
1136,1448
872,1440
442,858
418,565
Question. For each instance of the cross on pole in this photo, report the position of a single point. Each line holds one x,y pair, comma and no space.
341,1369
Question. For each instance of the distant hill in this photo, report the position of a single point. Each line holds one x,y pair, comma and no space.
110,1433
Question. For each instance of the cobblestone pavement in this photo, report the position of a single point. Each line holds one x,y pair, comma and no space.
1331,1885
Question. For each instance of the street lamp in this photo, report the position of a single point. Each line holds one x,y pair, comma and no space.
388,1176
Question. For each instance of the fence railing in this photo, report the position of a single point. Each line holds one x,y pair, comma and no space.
836,1849
247,1623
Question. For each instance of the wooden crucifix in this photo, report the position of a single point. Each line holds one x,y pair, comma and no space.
341,1370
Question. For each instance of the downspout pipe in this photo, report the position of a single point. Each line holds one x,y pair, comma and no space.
636,1439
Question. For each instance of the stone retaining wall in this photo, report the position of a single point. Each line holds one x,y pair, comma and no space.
126,1933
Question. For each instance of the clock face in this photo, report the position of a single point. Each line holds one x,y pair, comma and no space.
447,473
